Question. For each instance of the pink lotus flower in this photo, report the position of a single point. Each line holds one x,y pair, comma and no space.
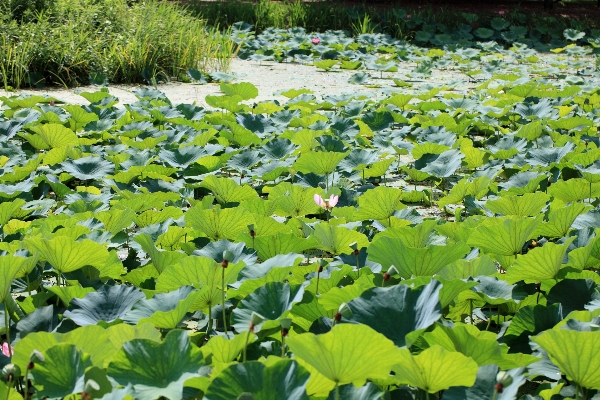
408,16
326,203
501,12
316,40
6,351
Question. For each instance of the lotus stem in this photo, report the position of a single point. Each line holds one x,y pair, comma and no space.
318,275
7,327
337,391
246,345
223,299
357,265
471,311
282,344
210,320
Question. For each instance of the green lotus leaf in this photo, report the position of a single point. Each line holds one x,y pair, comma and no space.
294,200
527,205
52,136
336,239
65,254
151,217
574,353
107,304
79,117
68,293
95,97
573,294
227,190
479,346
269,246
229,103
494,290
161,259
379,203
351,65
398,311
560,221
122,333
463,269
197,76
334,297
271,301
245,90
358,160
62,372
339,355
325,64
257,124
88,168
531,320
284,379
575,189
451,289
359,78
504,237
157,369
10,267
321,162
116,220
538,264
573,35
435,369
9,394
163,310
483,388
442,165
409,261
8,209
523,182
182,157
420,235
201,272
221,349
219,223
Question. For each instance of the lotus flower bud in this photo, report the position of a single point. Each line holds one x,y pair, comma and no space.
255,319
391,271
228,256
285,323
344,310
37,356
503,378
11,372
91,385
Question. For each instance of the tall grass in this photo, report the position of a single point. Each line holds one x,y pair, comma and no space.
67,41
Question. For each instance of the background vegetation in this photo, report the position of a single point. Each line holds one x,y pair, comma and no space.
70,42
321,16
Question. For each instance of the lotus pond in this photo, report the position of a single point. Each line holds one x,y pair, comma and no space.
436,240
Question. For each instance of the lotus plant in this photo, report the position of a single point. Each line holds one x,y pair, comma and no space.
327,204
255,319
285,324
228,256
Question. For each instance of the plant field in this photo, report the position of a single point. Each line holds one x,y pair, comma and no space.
431,242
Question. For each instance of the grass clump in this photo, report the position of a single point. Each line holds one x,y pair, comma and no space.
67,41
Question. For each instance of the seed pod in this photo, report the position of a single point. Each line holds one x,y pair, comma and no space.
504,379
